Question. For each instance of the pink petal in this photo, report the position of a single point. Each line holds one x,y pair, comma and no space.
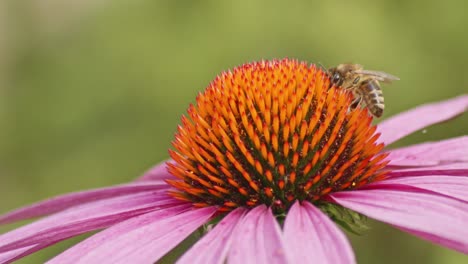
84,218
214,246
432,153
441,219
10,256
142,239
310,235
74,254
157,173
63,202
456,169
454,186
435,239
420,117
257,239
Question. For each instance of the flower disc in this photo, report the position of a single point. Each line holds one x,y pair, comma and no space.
272,132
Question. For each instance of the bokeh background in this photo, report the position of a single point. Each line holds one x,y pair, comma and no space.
91,91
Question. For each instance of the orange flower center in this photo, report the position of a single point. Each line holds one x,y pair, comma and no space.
273,132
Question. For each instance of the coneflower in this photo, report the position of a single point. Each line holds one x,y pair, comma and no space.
272,158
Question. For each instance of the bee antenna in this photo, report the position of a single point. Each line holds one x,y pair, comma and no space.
321,66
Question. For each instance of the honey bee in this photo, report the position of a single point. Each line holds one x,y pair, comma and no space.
364,84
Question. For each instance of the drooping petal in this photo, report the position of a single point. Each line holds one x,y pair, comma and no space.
214,246
453,186
436,239
257,239
455,169
420,117
441,219
311,237
142,239
432,153
63,202
85,218
75,253
157,173
10,256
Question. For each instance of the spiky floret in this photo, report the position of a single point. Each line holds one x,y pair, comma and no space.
272,132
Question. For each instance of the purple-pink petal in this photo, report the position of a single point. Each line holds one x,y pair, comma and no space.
157,173
85,218
11,256
258,239
403,124
454,186
142,239
432,153
455,169
65,201
438,218
311,237
75,253
436,239
213,247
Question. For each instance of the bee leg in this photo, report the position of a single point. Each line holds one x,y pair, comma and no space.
354,104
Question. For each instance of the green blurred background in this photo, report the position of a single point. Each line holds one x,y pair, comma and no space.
91,91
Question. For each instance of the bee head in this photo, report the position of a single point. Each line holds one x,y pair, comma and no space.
344,73
336,77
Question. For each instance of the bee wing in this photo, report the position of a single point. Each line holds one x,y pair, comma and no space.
378,75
